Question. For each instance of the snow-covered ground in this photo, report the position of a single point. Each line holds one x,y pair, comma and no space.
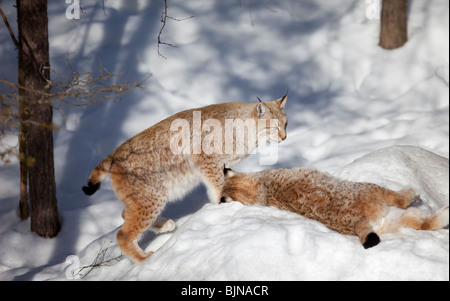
355,110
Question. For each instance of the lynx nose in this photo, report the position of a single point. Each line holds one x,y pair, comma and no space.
283,137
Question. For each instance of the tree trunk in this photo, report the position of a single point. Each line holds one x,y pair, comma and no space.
393,33
34,71
23,116
23,203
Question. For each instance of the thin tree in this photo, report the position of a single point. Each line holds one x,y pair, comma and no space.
393,33
9,120
32,117
36,112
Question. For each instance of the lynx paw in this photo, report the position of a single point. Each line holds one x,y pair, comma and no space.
141,258
441,217
168,226
163,225
410,197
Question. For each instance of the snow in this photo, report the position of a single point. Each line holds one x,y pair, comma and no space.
355,110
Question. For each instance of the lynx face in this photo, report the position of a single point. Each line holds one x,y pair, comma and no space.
272,122
239,187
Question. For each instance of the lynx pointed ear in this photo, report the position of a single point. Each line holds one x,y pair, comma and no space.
261,109
282,100
227,172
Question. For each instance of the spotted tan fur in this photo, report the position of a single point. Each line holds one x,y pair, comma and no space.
344,206
146,173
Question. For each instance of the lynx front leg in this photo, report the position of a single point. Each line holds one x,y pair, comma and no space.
214,180
213,191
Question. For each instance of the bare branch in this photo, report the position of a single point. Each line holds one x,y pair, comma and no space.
11,32
250,9
164,17
83,88
77,89
163,20
103,5
98,262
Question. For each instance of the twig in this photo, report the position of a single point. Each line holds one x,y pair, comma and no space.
77,89
164,17
250,9
99,260
103,4
83,87
11,32
16,43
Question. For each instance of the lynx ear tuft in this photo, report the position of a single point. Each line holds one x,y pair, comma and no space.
282,100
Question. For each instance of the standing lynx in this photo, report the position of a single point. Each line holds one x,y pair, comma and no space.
169,159
344,206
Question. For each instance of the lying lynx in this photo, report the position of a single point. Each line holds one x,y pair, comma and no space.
161,164
344,206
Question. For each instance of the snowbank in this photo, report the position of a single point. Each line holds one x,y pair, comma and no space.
235,242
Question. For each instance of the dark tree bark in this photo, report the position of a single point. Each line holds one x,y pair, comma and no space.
23,203
393,33
37,114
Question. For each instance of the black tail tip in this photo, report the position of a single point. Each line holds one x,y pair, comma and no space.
372,240
91,188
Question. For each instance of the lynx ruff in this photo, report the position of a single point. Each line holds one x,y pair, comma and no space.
160,164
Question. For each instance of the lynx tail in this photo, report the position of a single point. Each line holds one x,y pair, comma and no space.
97,176
372,240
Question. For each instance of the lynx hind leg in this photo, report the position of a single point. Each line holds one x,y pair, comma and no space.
437,221
401,199
142,203
366,234
415,219
160,225
128,237
136,223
